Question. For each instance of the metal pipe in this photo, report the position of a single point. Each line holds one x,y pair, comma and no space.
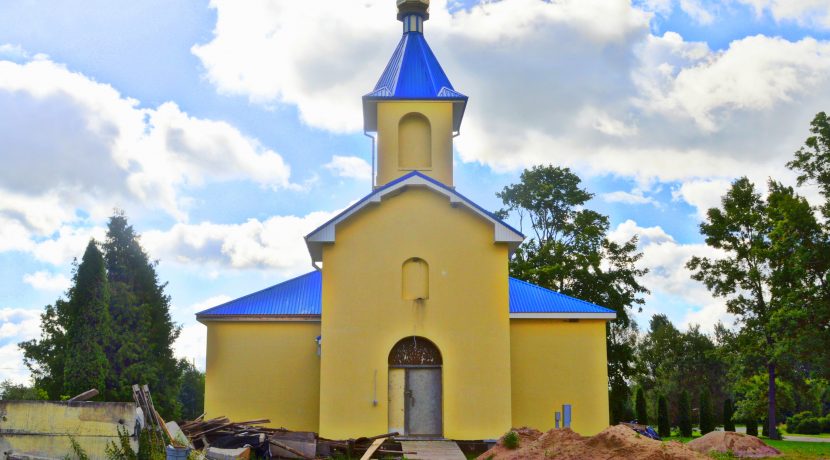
366,133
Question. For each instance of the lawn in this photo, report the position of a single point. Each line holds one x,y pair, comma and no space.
791,450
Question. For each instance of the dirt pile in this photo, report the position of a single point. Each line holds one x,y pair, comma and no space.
616,442
741,445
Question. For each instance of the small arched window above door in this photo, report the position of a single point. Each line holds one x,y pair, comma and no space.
415,279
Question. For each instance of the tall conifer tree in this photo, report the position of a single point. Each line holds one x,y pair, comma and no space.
142,325
88,326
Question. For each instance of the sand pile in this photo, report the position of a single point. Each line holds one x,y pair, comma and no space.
741,445
616,442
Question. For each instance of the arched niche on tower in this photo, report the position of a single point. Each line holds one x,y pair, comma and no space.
414,142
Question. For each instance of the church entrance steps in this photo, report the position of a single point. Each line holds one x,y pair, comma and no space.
432,450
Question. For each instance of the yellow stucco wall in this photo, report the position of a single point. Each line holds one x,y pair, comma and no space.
556,362
439,115
466,315
264,370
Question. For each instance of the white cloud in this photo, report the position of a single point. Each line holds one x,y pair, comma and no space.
351,167
275,243
621,196
74,149
16,325
702,194
210,302
192,344
668,277
550,82
47,281
804,12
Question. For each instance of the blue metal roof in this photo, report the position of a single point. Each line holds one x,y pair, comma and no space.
301,297
413,72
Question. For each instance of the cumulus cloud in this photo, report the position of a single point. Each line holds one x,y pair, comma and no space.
669,279
274,243
74,148
550,82
47,281
16,325
814,13
351,167
633,197
192,344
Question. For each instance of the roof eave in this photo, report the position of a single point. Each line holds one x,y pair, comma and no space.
254,318
565,315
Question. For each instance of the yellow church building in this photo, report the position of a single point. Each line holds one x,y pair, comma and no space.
410,321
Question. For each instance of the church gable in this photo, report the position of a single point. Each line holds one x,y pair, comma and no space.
326,233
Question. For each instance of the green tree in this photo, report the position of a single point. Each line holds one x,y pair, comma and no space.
728,423
10,391
88,326
192,390
685,414
764,243
640,404
140,311
663,427
45,357
812,163
706,412
569,252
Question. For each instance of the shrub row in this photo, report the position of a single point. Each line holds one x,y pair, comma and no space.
807,423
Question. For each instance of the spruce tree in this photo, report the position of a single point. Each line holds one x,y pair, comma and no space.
88,326
144,332
728,411
663,427
685,421
707,416
640,407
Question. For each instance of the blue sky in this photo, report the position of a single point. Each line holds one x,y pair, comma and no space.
657,105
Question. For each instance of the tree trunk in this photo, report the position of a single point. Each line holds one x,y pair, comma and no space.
773,429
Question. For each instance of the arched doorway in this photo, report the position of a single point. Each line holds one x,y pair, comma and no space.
415,393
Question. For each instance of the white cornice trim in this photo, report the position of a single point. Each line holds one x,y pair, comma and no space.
326,233
563,315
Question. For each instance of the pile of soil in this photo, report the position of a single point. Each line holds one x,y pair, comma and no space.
616,442
740,444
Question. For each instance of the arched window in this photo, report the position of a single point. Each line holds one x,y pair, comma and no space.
415,351
414,142
415,279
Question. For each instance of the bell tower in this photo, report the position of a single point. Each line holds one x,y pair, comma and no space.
414,110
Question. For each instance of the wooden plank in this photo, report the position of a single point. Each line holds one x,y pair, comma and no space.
371,451
85,396
433,450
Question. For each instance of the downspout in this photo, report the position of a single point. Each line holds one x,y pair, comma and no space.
366,133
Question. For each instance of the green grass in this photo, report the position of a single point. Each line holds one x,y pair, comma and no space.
791,450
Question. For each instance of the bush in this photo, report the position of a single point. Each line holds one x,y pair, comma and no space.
663,428
640,404
795,420
809,425
825,424
752,427
707,416
728,411
511,440
685,418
